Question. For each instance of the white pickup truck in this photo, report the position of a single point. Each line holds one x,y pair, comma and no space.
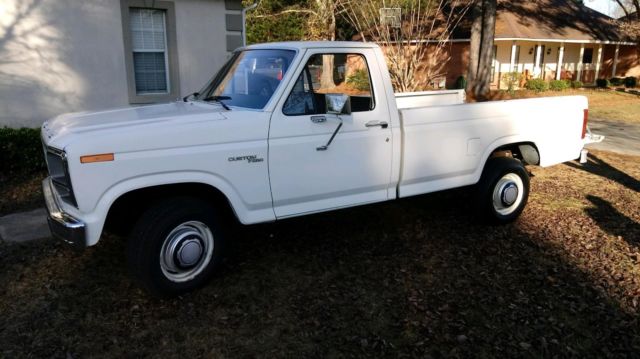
283,130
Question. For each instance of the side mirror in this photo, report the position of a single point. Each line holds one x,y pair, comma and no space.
338,104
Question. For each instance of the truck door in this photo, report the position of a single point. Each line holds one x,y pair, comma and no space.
309,174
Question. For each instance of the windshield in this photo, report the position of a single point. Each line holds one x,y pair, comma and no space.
249,78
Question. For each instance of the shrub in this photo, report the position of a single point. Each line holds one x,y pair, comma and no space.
558,85
616,81
461,83
511,79
630,82
576,84
537,85
20,150
359,80
602,83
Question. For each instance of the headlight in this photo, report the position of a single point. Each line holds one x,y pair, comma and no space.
59,172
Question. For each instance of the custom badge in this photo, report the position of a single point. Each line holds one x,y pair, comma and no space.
249,159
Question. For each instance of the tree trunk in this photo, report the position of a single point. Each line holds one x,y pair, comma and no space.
481,49
326,19
636,5
326,79
485,59
474,48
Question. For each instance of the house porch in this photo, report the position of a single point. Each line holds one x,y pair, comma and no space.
549,60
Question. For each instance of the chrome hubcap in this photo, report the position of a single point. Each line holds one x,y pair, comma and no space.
189,253
186,251
507,194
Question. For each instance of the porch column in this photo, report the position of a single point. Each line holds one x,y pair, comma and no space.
615,61
580,62
514,48
560,61
536,67
598,62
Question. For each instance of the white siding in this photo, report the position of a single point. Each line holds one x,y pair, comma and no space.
59,56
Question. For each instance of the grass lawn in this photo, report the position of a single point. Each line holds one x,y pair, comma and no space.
603,104
411,278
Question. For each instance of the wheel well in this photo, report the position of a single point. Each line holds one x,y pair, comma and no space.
125,211
526,152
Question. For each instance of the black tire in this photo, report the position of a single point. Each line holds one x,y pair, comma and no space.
495,190
187,221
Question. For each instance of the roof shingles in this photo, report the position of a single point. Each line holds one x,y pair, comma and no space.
554,19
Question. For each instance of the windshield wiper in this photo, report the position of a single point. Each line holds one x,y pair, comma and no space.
219,99
189,95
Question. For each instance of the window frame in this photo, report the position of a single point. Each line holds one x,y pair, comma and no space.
494,64
171,51
302,68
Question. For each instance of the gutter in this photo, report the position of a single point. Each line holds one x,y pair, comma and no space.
244,21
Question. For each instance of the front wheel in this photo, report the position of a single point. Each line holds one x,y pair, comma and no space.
175,246
503,190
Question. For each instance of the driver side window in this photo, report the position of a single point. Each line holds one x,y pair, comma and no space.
301,100
330,73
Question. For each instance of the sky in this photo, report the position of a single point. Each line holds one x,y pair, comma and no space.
604,6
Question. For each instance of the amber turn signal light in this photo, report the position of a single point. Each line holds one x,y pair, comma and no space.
104,157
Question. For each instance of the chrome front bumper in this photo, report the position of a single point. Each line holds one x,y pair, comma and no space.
62,225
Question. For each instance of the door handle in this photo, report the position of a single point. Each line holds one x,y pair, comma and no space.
318,119
382,124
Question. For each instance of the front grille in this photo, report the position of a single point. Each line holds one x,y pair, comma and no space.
59,172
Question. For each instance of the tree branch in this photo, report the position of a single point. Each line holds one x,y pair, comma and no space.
291,11
626,12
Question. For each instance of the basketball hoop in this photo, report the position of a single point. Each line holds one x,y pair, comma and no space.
390,16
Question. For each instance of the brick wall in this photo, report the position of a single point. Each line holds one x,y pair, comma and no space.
628,62
458,62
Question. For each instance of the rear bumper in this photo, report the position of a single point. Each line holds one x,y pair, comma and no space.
62,225
592,137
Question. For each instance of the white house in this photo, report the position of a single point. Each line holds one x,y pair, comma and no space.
60,56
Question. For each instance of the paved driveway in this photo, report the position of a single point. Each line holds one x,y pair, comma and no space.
620,137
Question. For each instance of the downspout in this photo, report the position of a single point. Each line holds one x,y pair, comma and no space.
244,21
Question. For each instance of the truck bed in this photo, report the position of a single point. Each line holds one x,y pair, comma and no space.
446,146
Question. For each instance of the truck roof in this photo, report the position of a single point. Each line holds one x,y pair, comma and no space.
299,45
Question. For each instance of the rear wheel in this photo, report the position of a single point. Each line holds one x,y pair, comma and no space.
175,246
503,190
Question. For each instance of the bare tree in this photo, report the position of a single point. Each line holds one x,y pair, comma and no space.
631,25
416,47
481,49
626,5
320,18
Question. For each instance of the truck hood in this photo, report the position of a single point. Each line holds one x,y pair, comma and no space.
64,126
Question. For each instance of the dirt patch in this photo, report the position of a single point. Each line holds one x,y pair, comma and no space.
412,278
21,192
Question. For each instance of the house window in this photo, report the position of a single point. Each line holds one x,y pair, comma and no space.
516,61
543,50
149,45
587,57
150,50
494,63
